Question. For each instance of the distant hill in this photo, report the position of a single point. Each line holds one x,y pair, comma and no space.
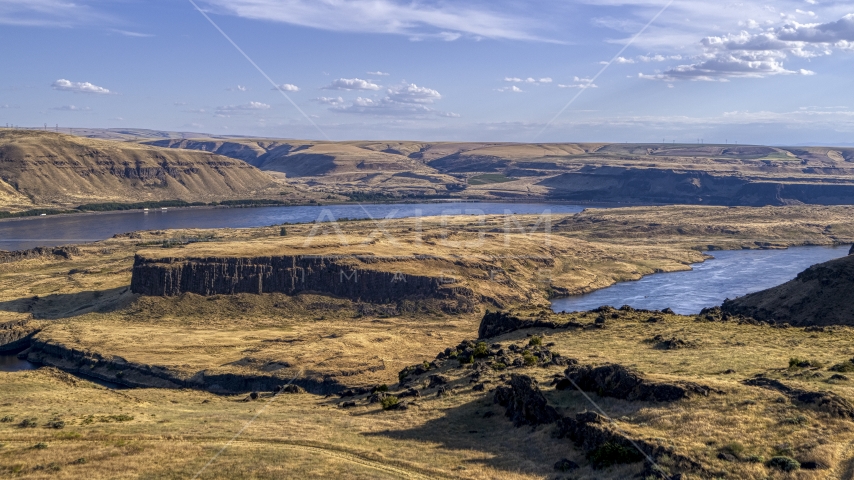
46,169
821,295
749,175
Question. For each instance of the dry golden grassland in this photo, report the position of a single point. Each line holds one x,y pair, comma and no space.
85,304
155,433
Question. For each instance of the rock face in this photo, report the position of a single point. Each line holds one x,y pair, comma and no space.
525,403
16,335
619,382
820,295
285,274
851,252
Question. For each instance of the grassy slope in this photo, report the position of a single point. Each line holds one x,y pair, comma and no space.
49,169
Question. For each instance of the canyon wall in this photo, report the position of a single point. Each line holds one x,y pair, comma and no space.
283,274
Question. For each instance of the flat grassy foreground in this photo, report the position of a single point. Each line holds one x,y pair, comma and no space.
82,430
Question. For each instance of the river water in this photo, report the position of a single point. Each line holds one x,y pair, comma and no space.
21,234
729,275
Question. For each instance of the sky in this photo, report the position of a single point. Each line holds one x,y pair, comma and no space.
778,73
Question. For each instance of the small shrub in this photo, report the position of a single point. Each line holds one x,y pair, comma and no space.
481,350
734,448
498,366
7,419
611,453
79,461
535,341
56,423
464,360
755,459
381,388
389,402
529,358
798,420
283,232
54,467
28,423
785,464
40,446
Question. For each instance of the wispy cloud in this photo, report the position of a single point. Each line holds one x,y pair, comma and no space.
128,33
241,109
379,73
528,80
351,84
287,87
71,108
418,20
511,88
79,87
239,88
48,13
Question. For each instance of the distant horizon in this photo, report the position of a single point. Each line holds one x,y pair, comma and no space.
206,135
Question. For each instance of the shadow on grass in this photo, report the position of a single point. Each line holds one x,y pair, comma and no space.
480,429
68,305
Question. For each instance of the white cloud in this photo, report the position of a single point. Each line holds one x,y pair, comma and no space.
406,99
334,101
287,87
622,60
241,109
239,88
417,20
379,73
512,88
7,106
749,55
79,87
351,84
411,93
71,108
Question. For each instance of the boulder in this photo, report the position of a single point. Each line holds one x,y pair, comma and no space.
524,402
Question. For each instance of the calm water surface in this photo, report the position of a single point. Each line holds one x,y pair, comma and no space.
61,230
730,274
11,363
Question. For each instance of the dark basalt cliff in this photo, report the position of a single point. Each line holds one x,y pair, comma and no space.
820,295
284,274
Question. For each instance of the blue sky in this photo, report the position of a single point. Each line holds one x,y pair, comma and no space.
748,71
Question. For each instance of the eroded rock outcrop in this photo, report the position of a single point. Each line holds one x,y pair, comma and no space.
619,382
66,252
498,323
827,402
285,274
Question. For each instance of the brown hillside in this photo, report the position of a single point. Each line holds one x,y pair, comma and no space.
821,295
49,169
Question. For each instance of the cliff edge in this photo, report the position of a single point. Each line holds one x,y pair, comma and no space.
820,295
